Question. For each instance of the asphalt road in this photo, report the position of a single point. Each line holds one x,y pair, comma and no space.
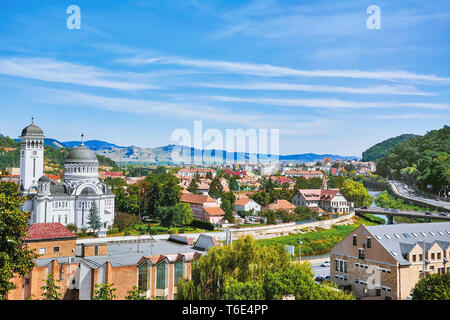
402,190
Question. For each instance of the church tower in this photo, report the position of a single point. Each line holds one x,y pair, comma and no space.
31,158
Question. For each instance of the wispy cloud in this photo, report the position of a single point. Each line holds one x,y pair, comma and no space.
268,70
52,70
331,103
276,86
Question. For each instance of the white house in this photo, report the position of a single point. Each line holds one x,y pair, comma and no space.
329,200
246,204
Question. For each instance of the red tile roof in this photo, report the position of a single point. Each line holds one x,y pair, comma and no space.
196,198
214,211
48,231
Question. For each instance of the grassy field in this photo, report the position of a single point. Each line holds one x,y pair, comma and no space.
317,242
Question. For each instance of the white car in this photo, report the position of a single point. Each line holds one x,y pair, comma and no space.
325,264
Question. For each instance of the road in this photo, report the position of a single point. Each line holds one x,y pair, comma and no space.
400,188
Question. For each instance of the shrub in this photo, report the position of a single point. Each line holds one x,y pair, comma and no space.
72,227
202,224
173,231
124,220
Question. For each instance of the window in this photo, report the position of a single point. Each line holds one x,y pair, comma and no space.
432,256
369,242
55,249
355,239
42,251
439,256
414,258
420,257
143,278
96,251
361,254
161,276
178,272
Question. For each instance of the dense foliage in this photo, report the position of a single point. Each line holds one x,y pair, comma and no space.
381,149
433,287
356,192
244,271
420,161
14,257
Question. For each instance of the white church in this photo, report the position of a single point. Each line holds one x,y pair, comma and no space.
70,201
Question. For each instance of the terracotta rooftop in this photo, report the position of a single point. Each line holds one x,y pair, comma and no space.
48,231
214,211
196,198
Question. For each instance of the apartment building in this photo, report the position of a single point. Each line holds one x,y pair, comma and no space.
386,262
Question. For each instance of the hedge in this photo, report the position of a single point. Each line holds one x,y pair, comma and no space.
202,224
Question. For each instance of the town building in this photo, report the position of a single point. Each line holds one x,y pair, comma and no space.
192,172
329,200
204,207
386,261
247,204
282,205
155,266
70,201
304,174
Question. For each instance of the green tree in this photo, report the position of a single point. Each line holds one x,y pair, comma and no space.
216,189
93,219
136,294
193,187
356,192
433,287
153,199
227,207
104,291
243,270
51,289
15,258
123,221
177,215
170,193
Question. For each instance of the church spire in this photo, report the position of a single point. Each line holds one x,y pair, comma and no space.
82,137
32,119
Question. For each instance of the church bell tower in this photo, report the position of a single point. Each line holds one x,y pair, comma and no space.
31,158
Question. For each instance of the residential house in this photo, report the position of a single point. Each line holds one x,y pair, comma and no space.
282,205
329,200
247,204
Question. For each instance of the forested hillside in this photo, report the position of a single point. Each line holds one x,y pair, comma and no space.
422,160
381,149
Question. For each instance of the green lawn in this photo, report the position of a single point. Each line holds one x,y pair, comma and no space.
317,242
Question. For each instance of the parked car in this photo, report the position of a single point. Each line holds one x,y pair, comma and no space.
327,278
394,210
428,213
365,207
325,264
442,214
319,279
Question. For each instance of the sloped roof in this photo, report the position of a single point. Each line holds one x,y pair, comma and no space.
204,242
196,198
49,231
214,211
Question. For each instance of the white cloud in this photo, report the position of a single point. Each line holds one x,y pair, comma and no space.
268,70
276,86
51,70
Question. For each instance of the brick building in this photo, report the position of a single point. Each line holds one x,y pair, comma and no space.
387,261
79,265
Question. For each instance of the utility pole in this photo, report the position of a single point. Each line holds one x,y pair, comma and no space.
300,248
139,208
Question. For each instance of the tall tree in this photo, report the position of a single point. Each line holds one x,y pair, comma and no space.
243,270
177,215
216,189
356,192
193,187
153,199
93,219
227,207
15,258
170,193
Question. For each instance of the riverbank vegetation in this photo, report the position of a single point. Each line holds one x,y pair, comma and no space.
317,241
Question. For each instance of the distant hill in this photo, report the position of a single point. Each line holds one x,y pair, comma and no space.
381,149
164,154
424,160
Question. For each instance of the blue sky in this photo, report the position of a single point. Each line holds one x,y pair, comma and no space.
138,70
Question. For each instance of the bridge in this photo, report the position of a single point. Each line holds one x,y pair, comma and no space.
391,213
